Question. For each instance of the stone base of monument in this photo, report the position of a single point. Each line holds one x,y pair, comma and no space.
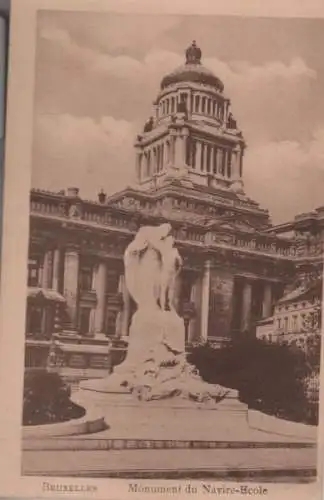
179,422
170,419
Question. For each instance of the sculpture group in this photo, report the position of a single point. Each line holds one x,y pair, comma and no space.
155,366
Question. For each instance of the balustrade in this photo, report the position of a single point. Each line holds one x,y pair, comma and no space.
61,208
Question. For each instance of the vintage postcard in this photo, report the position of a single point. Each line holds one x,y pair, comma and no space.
163,236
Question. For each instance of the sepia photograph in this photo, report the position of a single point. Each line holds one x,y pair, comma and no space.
173,285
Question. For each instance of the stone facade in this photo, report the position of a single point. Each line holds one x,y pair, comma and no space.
296,315
189,164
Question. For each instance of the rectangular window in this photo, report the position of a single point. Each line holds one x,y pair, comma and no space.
86,277
197,103
208,158
84,320
111,318
286,324
33,272
34,320
203,104
112,281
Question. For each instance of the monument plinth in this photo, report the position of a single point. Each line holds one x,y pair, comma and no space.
155,367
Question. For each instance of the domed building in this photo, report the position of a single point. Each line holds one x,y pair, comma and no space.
192,140
192,134
189,172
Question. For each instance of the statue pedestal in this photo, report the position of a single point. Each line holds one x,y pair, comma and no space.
172,419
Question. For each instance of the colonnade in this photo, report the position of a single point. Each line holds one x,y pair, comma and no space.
60,271
214,159
153,159
196,154
196,102
200,295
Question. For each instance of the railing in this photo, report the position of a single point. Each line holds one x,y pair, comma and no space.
97,214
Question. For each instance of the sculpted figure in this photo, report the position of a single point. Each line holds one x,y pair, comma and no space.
155,366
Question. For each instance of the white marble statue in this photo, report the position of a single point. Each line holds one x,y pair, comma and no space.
155,366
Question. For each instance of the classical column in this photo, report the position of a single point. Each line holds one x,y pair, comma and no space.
246,306
100,288
56,270
236,154
71,281
47,269
205,301
267,301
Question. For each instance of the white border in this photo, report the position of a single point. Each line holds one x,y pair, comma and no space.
16,214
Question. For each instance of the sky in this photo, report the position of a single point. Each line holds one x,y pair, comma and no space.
98,74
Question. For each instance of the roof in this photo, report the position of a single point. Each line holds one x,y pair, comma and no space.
302,291
193,71
45,294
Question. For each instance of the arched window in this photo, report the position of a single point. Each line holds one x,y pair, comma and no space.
223,163
168,152
157,168
208,158
215,160
193,153
229,162
148,164
203,104
197,103
162,156
172,104
202,158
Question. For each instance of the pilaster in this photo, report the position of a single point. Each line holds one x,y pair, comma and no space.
71,279
196,298
56,269
100,288
267,300
246,306
205,300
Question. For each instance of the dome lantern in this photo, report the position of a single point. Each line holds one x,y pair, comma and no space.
193,54
192,71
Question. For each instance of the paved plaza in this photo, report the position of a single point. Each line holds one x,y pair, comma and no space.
278,463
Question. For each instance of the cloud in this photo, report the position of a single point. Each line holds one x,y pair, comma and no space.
81,151
77,79
90,104
287,176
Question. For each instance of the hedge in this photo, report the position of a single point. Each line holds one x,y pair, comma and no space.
269,377
47,399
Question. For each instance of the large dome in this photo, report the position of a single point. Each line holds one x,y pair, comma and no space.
192,71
